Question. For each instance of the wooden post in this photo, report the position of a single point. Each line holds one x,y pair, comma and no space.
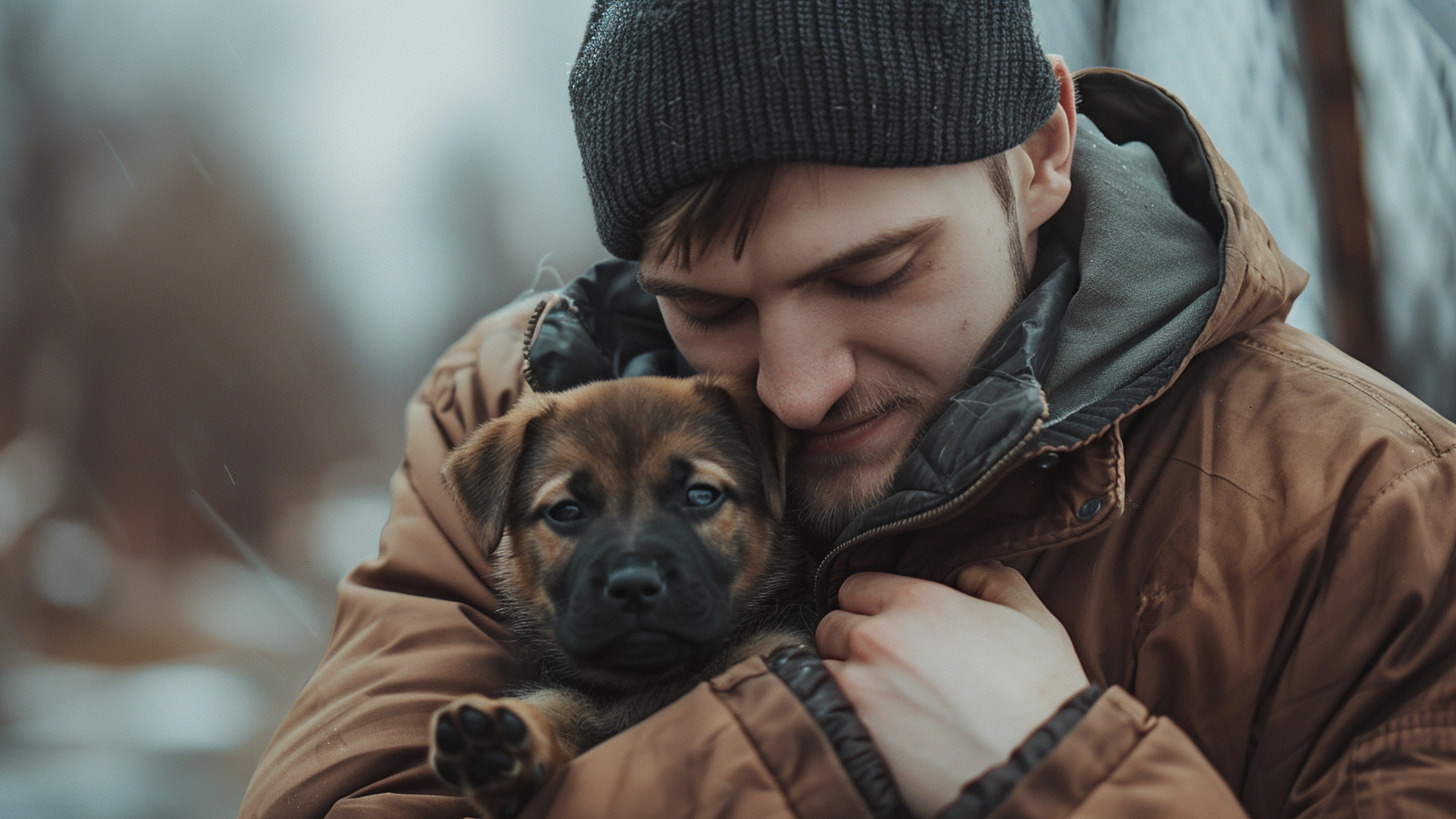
1352,282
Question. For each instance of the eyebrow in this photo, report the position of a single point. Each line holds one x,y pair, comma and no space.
847,259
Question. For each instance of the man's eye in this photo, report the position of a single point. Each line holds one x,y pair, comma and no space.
876,289
706,312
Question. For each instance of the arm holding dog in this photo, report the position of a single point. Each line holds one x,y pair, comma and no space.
414,627
418,627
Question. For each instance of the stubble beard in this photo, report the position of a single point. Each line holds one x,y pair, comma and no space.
826,493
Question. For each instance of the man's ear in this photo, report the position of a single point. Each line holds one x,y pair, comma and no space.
1045,158
481,471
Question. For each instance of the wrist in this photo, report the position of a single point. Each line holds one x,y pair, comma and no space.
985,793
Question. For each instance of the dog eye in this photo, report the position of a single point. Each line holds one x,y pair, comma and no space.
700,494
565,512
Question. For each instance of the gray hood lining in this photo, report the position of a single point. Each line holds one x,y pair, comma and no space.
1150,273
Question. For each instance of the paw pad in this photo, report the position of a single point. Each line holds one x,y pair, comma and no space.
484,749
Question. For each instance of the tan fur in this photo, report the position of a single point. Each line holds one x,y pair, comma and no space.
625,450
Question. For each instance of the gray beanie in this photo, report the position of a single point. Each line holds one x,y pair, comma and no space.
669,93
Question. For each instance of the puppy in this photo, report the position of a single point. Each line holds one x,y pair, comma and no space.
641,550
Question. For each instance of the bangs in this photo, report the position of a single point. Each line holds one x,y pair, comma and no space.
698,217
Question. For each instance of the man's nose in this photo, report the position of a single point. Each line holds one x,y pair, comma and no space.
804,367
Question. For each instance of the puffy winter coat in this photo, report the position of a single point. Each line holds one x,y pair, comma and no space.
1248,536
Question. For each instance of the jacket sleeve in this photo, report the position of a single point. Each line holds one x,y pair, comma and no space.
413,628
770,737
1118,761
1360,720
416,627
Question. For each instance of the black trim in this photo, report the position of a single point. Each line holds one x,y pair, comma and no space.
805,675
986,793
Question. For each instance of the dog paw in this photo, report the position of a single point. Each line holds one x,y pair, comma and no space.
497,753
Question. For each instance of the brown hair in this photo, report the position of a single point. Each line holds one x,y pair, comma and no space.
730,205
699,216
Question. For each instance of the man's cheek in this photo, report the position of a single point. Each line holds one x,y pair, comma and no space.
719,353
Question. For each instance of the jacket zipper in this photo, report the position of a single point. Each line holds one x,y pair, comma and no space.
930,514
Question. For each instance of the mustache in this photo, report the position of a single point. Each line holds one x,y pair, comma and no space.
876,397
870,399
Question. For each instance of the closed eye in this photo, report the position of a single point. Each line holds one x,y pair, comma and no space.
877,289
706,312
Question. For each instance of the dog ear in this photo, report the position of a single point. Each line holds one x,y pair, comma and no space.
481,471
766,434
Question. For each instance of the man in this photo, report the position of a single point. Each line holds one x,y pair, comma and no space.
1098,534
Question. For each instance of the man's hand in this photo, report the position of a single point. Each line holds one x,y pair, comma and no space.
948,682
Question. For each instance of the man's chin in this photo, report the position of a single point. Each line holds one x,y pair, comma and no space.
827,492
824,503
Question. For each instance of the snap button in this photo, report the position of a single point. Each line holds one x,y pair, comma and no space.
1089,510
1046,461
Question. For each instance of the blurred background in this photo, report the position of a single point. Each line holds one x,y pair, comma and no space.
235,235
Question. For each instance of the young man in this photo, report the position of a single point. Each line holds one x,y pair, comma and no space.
1098,533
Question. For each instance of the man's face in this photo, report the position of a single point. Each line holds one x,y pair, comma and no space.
859,304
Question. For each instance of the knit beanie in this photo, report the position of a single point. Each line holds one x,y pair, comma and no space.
669,93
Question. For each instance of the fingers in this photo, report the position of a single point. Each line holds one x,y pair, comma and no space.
865,595
872,592
832,636
869,594
1003,586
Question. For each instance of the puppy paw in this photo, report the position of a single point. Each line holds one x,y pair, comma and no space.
497,753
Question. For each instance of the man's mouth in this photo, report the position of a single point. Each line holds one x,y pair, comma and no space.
844,436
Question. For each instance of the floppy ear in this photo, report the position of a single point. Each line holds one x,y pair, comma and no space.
768,437
480,473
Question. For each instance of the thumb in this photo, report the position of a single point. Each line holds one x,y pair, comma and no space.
1004,586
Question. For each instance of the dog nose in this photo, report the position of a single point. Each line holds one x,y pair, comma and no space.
635,587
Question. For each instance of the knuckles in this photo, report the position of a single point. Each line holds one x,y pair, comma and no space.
857,638
989,581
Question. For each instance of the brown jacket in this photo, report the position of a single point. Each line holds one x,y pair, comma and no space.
1253,555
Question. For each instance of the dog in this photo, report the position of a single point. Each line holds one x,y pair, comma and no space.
642,549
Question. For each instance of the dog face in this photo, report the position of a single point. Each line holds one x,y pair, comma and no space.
637,520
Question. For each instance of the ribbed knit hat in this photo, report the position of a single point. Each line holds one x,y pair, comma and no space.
668,93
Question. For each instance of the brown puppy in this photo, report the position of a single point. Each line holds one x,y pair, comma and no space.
641,551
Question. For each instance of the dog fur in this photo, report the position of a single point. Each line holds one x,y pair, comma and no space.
642,549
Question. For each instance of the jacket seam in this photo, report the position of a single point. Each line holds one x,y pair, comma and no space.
1220,479
1250,269
1359,384
1359,518
758,752
1063,537
1365,746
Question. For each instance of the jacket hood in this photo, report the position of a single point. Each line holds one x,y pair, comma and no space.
1257,281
